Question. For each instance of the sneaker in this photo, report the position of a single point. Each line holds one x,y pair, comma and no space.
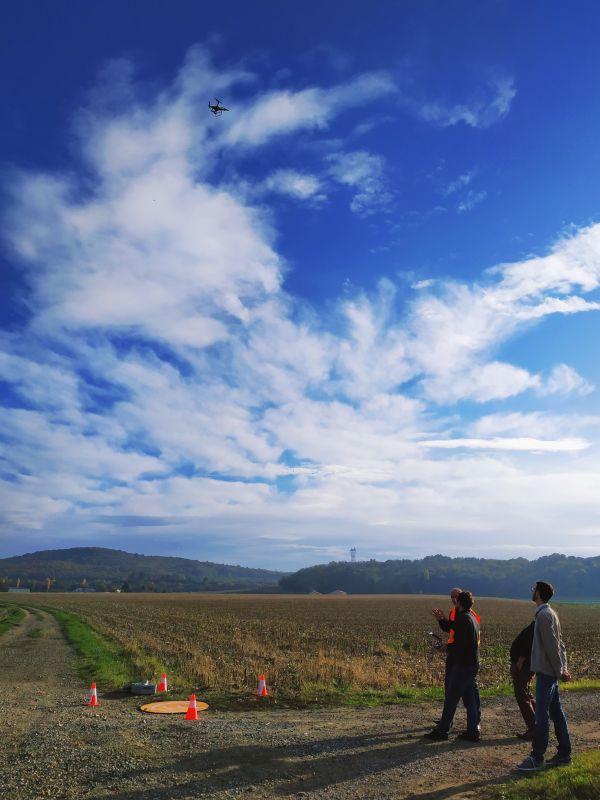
558,760
529,764
436,735
469,737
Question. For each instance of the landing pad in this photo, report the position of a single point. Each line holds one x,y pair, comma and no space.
171,707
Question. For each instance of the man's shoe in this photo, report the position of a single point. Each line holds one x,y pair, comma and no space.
558,760
529,764
469,737
436,735
527,736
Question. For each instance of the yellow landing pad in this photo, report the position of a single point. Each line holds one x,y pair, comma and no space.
171,707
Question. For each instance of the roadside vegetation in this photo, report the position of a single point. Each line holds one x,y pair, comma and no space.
10,616
580,781
99,657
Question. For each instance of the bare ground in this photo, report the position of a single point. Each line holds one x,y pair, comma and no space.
51,745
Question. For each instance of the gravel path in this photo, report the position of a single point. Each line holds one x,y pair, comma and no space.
53,746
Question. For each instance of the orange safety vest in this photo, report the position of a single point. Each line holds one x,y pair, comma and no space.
452,617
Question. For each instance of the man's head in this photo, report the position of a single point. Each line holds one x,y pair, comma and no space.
464,601
541,590
454,595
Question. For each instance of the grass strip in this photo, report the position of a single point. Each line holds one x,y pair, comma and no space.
11,619
580,781
323,695
99,658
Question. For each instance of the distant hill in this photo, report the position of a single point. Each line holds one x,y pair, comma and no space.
572,577
104,569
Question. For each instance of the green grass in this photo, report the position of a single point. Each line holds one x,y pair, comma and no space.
99,658
322,695
12,618
35,633
580,781
580,686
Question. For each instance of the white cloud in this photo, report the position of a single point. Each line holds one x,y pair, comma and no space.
427,283
121,249
536,424
481,111
298,185
480,382
471,200
523,443
453,328
564,380
364,172
282,112
459,183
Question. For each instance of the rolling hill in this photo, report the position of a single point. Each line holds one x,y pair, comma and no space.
105,569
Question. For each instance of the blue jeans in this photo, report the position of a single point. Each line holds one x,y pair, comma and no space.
548,707
461,683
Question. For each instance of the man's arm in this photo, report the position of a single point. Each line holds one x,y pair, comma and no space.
443,621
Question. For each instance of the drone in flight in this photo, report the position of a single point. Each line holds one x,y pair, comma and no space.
217,109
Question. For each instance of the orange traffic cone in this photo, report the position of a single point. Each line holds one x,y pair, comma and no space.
192,712
262,687
92,698
162,686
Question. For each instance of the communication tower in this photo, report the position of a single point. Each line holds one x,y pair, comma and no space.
352,555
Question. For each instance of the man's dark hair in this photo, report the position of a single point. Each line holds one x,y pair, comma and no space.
546,590
466,600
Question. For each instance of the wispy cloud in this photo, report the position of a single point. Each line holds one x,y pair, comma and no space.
364,172
471,200
460,190
283,112
292,183
458,183
485,108
565,380
524,443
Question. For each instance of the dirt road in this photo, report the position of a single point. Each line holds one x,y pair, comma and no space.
53,746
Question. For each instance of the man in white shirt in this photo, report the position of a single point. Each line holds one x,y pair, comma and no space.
549,662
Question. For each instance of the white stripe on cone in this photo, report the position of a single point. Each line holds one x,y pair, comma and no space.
262,687
192,712
92,698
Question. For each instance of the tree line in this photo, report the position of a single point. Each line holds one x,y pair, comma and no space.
573,577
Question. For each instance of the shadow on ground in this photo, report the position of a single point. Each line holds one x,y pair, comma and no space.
305,767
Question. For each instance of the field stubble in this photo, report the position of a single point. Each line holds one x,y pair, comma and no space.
221,643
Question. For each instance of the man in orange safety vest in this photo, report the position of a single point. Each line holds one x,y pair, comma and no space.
447,625
461,678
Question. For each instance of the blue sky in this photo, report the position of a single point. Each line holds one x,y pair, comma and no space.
360,308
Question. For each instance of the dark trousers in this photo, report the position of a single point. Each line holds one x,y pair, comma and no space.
521,680
447,673
548,707
461,684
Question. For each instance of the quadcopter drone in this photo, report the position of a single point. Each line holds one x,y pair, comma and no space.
217,109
